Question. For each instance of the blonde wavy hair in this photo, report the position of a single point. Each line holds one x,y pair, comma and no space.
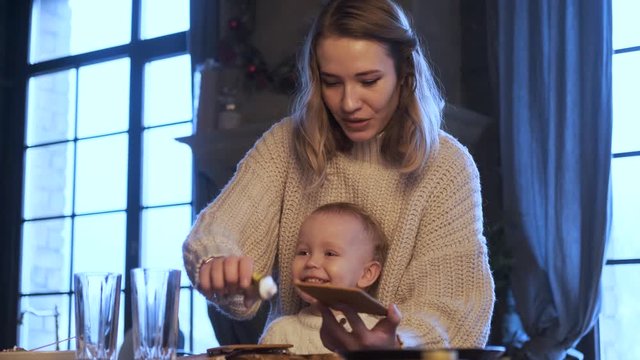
412,133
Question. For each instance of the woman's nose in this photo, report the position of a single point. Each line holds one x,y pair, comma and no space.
350,99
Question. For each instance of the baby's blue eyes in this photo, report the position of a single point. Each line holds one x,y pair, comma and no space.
307,253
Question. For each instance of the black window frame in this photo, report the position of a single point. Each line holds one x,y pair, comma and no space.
15,72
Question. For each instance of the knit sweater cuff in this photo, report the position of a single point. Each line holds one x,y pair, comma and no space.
197,252
233,307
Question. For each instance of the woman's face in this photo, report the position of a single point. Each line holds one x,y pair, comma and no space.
359,84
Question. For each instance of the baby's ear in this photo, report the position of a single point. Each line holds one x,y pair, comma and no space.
370,274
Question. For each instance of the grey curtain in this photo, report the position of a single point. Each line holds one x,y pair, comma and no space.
554,70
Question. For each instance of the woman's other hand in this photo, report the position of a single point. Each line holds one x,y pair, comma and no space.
336,338
228,275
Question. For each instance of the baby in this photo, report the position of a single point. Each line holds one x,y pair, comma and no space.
338,244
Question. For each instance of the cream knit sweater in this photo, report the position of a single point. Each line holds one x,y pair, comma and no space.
436,270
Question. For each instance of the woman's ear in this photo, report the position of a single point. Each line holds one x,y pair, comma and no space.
370,274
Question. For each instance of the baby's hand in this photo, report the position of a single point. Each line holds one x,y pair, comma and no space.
382,336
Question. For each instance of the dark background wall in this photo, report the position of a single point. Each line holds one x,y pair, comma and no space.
12,49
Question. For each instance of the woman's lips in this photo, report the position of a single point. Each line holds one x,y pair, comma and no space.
356,124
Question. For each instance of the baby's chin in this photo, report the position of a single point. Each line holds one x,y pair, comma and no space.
306,298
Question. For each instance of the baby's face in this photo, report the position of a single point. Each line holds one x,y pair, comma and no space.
332,249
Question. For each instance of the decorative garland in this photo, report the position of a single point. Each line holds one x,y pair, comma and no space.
236,50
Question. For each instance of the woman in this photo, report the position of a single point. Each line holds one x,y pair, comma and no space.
364,129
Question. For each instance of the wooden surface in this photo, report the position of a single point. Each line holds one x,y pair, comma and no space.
267,357
330,295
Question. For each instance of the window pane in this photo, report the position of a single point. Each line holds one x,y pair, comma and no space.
620,313
164,17
48,181
203,335
103,98
51,107
101,174
626,32
167,91
167,166
38,325
99,243
184,319
626,114
45,256
625,228
163,232
68,27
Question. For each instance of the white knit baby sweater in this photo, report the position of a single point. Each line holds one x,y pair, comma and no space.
302,330
436,270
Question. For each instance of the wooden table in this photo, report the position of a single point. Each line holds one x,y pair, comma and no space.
267,357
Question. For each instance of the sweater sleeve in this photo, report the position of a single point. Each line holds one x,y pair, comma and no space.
244,218
448,288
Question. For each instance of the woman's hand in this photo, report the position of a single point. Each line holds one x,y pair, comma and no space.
336,338
228,275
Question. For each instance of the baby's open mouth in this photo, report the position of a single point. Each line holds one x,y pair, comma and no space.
314,280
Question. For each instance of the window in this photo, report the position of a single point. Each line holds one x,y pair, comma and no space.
107,187
620,314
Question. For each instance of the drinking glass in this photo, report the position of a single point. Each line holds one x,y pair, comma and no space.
97,300
155,294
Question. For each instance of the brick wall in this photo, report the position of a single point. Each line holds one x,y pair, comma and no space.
46,248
